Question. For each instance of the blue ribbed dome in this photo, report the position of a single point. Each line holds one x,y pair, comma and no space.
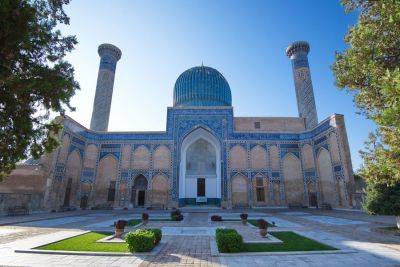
202,86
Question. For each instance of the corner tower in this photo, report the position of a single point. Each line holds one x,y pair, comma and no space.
109,56
298,54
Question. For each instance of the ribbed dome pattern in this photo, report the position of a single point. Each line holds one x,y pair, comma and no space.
202,86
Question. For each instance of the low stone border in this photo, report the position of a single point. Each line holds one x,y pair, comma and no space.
154,252
216,253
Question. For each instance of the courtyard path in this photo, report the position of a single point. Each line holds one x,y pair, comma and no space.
185,250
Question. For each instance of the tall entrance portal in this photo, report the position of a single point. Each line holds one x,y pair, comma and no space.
200,169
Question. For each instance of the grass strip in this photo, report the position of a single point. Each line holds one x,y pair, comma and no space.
87,242
291,242
255,223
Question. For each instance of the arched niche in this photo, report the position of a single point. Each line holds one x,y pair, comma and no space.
139,191
293,179
162,158
258,158
325,174
72,179
141,158
91,152
239,191
206,172
238,157
106,177
159,190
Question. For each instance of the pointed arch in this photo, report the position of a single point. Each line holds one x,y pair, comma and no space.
72,178
258,158
238,157
324,167
162,158
293,179
239,190
208,143
160,189
106,178
260,188
141,158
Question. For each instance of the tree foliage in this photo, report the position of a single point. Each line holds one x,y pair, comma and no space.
34,77
369,68
382,199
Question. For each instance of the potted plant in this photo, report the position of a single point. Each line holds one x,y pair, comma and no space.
243,217
119,227
216,218
145,218
263,226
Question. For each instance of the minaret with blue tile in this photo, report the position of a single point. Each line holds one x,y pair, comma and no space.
109,56
298,54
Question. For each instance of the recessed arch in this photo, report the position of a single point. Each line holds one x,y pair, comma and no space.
141,158
293,179
189,181
162,158
258,158
325,174
239,190
238,157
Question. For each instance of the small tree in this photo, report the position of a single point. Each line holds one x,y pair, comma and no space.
383,199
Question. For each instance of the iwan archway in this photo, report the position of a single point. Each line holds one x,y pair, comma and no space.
200,169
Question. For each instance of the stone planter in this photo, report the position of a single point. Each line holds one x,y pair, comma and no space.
244,221
119,232
263,232
144,222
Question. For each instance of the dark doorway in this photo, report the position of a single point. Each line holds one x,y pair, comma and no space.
313,200
201,187
141,197
67,193
84,202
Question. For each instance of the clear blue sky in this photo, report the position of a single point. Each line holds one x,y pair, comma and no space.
244,40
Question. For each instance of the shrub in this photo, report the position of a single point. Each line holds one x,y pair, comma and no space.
244,216
175,212
120,224
140,240
145,216
216,218
262,224
229,240
157,234
176,215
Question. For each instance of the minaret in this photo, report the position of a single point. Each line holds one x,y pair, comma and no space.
297,52
109,55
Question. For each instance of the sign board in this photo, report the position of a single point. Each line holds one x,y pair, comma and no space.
201,199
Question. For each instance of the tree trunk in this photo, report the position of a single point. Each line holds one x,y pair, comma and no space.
398,221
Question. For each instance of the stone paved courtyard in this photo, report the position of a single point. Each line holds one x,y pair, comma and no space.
189,242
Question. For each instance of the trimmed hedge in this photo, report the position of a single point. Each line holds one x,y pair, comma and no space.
140,240
229,240
157,234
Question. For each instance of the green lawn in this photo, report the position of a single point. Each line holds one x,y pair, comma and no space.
255,223
291,242
87,242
